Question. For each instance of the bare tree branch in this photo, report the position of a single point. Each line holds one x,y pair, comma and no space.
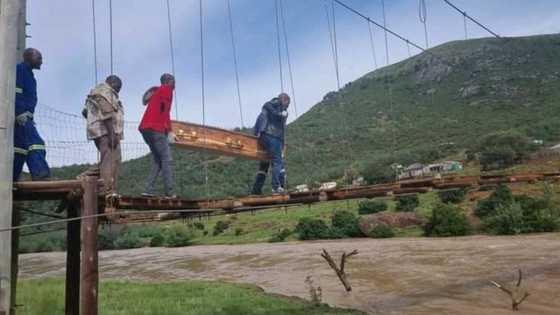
340,270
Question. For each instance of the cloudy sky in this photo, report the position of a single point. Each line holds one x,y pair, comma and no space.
63,31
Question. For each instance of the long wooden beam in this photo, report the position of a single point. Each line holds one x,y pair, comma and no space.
211,139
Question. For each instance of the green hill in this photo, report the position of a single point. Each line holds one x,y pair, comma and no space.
421,109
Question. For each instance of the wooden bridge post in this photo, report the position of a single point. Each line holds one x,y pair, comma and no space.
72,296
89,272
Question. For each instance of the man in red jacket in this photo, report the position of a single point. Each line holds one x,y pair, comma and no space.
155,127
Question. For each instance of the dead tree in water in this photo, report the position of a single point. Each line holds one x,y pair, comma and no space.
516,297
340,270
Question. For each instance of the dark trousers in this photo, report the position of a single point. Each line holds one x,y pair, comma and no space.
110,161
162,161
29,148
273,146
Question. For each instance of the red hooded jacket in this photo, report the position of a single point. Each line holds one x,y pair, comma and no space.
157,115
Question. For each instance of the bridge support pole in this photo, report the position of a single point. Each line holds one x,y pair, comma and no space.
72,296
89,272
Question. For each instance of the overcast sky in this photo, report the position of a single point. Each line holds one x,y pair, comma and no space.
63,31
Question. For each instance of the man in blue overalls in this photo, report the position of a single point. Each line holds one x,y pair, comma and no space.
270,128
28,146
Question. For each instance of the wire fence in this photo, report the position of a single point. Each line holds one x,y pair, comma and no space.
66,142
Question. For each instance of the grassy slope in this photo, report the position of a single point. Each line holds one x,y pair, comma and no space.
46,297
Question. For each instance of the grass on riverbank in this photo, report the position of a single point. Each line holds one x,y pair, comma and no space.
46,297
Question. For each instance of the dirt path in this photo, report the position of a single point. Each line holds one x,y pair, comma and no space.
393,276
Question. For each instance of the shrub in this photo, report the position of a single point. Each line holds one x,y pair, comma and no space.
312,229
129,239
205,232
198,225
501,197
507,219
177,235
447,220
238,231
107,238
220,227
381,231
371,206
524,215
345,223
503,149
157,240
280,236
407,203
452,195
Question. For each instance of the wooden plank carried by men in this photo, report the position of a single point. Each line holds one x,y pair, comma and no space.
211,139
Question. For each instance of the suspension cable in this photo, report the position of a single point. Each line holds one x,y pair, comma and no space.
111,33
385,29
331,38
203,95
464,13
372,44
94,42
465,25
335,41
172,55
293,90
423,16
236,68
279,44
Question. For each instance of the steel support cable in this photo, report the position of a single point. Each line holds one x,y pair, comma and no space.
288,59
423,16
372,44
464,13
279,44
94,42
465,25
335,42
218,211
172,55
385,31
331,38
111,34
389,92
235,64
203,95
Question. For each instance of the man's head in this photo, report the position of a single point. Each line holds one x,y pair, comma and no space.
33,58
284,100
114,82
167,79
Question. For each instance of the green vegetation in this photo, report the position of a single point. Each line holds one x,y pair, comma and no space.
504,149
280,236
504,213
382,231
347,223
452,195
370,206
313,229
220,227
46,297
447,220
407,203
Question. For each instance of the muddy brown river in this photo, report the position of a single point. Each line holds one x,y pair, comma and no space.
392,276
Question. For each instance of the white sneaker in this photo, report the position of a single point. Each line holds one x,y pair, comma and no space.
278,191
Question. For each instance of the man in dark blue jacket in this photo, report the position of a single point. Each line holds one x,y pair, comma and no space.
270,128
29,147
